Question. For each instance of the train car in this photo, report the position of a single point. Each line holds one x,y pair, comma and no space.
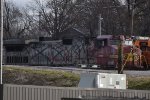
143,43
132,56
105,52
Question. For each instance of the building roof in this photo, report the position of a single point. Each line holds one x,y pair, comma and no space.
70,33
14,42
19,41
104,36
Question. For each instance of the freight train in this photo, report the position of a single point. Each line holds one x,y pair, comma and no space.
100,52
136,52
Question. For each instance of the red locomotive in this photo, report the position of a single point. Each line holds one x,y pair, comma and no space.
105,52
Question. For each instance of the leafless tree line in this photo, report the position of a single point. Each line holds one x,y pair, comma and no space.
51,17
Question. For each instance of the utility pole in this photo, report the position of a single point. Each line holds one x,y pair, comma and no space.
132,26
132,19
120,57
1,43
100,25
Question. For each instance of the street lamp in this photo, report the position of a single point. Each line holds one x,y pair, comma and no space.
1,43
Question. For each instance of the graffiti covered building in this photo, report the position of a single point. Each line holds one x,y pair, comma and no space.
67,49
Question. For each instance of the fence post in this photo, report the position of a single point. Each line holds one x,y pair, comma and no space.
1,91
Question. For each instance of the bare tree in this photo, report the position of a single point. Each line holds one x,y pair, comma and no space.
138,11
56,16
15,23
111,11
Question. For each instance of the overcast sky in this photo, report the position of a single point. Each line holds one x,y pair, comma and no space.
21,2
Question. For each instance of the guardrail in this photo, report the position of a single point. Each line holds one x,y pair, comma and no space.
26,92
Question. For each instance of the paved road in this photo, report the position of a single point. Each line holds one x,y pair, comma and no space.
79,70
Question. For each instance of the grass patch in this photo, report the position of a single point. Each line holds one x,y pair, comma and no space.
26,76
139,83
13,75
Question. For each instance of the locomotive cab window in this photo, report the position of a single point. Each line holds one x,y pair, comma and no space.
101,43
143,44
114,42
